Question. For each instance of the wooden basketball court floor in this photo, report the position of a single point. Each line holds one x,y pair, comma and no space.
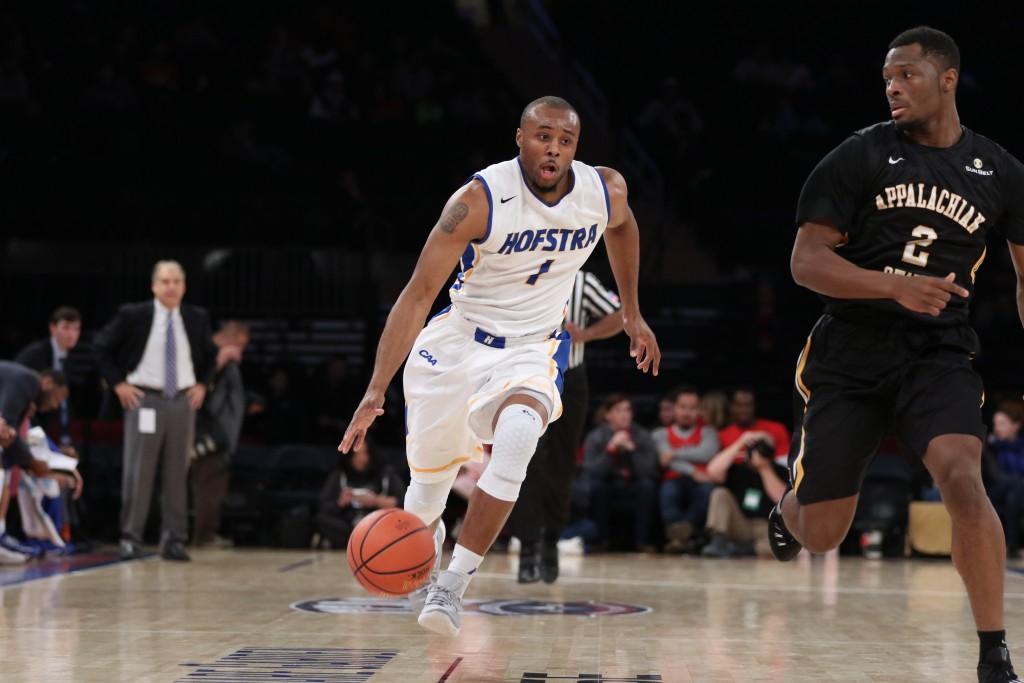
275,615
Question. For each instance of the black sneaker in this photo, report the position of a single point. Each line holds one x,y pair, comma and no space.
529,572
996,667
784,546
549,562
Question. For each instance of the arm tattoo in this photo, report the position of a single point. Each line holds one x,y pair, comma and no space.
455,215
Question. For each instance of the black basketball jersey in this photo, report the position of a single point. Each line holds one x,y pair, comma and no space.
912,210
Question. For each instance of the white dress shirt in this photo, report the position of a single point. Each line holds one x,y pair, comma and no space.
150,371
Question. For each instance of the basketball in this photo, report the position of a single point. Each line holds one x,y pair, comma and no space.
391,552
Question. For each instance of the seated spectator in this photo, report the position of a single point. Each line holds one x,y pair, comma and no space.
361,484
684,449
750,483
1004,470
620,466
714,409
743,415
666,409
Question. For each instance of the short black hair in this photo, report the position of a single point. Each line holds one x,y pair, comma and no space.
546,101
685,389
65,313
935,44
58,377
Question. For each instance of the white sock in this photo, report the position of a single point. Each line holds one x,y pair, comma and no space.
464,563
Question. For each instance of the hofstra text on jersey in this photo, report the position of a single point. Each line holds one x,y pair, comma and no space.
553,239
941,201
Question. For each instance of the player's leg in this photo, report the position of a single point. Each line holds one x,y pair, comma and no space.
563,442
510,410
841,382
526,519
978,549
517,427
427,500
939,412
438,385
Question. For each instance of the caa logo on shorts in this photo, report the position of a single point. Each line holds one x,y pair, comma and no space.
426,354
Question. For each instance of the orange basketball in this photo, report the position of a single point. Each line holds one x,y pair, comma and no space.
391,552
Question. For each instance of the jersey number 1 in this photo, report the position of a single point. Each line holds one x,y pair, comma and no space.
544,267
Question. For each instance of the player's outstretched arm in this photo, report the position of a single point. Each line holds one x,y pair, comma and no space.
464,218
623,241
815,264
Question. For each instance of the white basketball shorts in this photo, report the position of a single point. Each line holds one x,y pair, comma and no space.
456,378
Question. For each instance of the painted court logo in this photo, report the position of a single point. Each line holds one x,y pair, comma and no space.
494,608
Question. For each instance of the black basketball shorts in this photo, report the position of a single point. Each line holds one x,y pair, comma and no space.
858,383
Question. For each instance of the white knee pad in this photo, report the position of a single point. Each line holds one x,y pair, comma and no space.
515,439
427,501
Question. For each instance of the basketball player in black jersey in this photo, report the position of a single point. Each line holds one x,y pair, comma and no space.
893,226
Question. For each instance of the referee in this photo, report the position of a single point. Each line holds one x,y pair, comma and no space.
544,499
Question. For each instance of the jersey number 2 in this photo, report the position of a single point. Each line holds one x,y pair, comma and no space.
914,253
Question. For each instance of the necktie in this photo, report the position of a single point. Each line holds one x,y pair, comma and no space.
65,436
170,361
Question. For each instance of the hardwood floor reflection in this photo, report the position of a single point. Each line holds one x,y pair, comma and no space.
263,615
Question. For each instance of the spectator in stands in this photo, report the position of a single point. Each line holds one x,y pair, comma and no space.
218,426
749,483
743,415
158,357
684,449
620,462
1005,482
666,411
361,484
714,408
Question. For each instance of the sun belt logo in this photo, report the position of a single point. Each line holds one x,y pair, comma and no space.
426,354
977,168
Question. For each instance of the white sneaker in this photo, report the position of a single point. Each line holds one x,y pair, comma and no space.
571,546
11,557
419,596
444,600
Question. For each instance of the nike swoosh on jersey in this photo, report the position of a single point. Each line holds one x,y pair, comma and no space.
895,161
503,199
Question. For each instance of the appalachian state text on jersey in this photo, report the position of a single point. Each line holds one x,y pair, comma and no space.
913,210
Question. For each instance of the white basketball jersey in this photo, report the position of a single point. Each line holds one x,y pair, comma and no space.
517,280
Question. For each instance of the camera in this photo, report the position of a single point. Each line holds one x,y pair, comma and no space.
765,449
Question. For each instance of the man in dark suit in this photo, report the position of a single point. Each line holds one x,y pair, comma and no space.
158,357
53,352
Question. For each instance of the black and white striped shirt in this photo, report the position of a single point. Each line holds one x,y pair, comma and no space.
590,299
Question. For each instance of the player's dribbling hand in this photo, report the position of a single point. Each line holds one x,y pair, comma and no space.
928,295
643,346
370,408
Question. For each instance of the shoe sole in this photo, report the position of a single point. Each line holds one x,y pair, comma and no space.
438,622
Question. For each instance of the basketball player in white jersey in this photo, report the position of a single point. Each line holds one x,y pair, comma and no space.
487,369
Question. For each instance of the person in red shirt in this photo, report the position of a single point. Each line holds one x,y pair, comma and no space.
751,475
684,448
743,409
